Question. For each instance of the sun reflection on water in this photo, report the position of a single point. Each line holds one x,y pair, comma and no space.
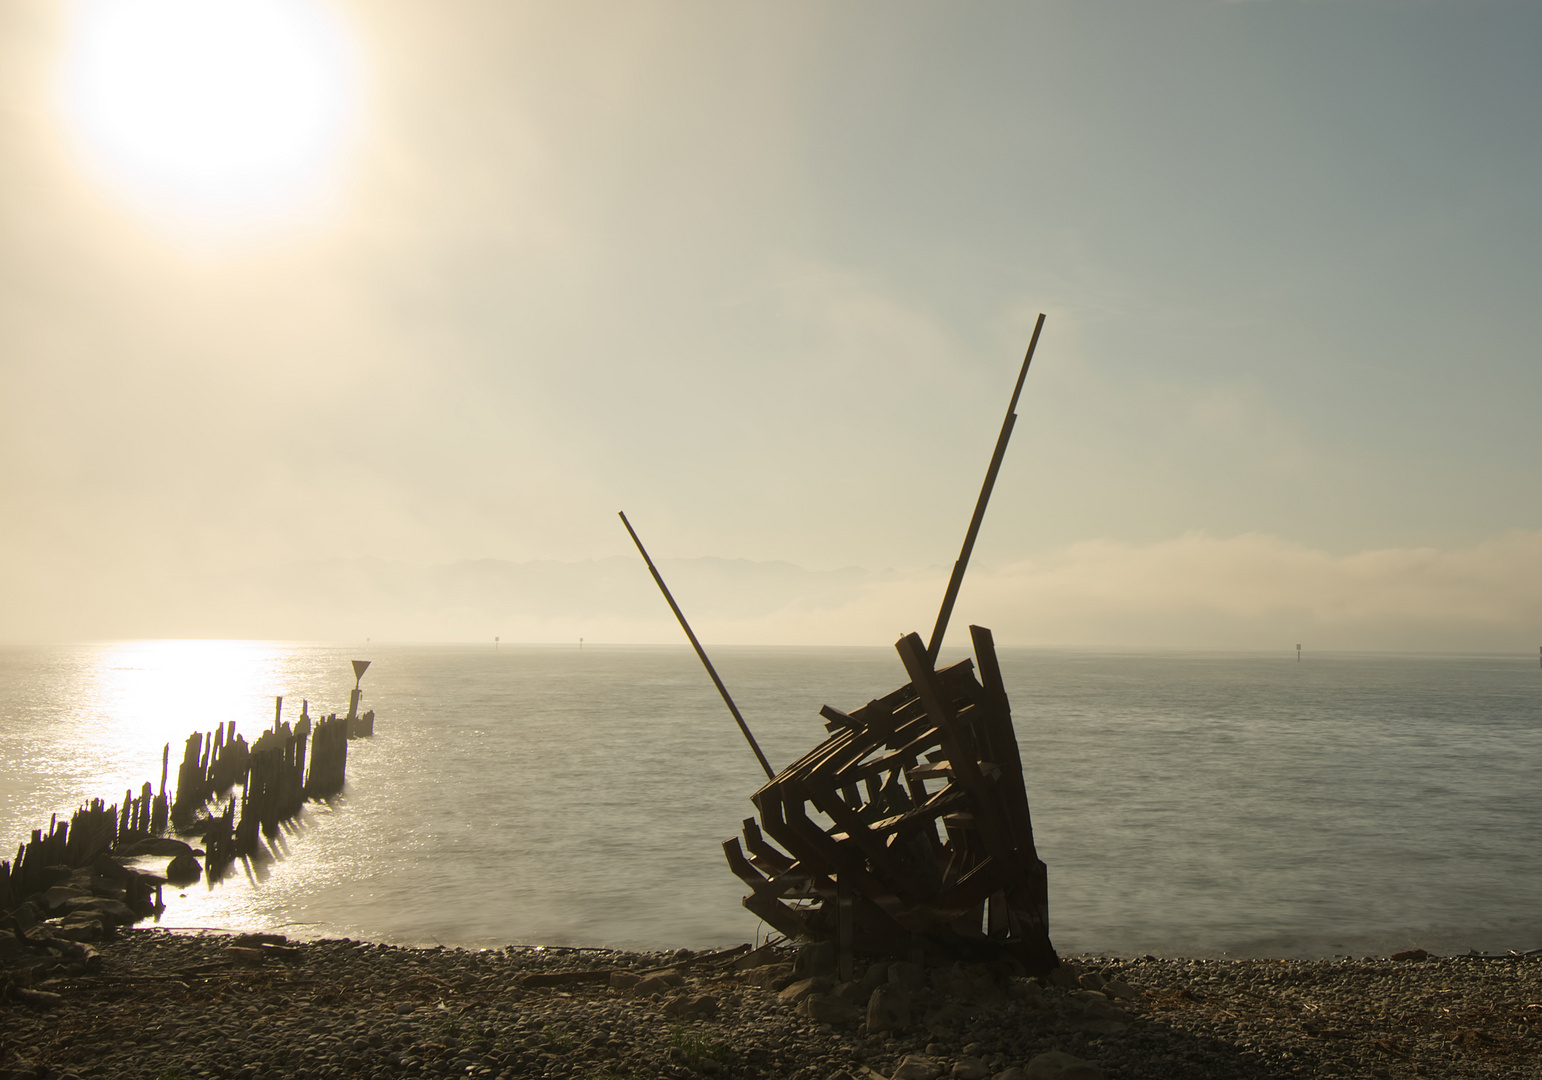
151,693
535,795
131,700
91,722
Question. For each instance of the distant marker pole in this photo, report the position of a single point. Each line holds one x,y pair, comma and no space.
495,643
1298,654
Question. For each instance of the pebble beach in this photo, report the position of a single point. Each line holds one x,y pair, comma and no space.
164,1005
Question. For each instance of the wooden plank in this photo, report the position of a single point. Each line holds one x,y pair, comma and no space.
892,869
778,914
973,886
596,976
839,719
700,958
1014,792
741,866
799,884
762,852
919,736
932,809
879,719
967,771
962,563
997,920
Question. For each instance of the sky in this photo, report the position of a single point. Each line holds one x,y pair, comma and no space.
762,275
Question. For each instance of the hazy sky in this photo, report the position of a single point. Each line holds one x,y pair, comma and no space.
761,275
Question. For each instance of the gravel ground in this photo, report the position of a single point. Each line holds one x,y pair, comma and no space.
164,1005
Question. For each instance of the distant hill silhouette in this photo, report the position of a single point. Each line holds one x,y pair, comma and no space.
461,600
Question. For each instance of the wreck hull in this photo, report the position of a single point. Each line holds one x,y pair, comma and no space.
907,831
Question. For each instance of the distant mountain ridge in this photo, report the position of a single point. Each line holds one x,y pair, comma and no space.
1194,591
542,599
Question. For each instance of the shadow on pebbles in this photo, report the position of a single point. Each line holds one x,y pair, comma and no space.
164,1005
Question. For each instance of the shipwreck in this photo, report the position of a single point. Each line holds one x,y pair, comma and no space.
906,832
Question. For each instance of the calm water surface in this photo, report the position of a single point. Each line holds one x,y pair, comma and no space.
1195,804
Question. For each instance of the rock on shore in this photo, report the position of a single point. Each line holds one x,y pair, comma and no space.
162,1005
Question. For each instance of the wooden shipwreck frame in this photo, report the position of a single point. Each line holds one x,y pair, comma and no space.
907,831
908,826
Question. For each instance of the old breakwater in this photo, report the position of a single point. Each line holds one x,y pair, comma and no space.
274,779
68,885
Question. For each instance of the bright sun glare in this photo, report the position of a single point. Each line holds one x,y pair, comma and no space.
220,110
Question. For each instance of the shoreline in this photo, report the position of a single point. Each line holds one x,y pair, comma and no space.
160,1003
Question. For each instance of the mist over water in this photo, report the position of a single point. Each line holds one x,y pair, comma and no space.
1191,804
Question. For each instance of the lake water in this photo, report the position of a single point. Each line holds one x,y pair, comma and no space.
1186,804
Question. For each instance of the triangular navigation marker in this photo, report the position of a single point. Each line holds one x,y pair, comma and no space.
359,667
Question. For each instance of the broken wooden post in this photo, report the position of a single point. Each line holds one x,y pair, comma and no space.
700,652
962,564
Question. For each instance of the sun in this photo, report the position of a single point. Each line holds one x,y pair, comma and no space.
217,110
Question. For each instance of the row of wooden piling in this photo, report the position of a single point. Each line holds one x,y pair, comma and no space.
275,782
90,833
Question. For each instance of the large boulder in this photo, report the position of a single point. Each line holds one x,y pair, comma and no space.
183,870
1102,1017
25,917
658,983
1103,1009
769,976
872,978
888,1009
765,956
109,868
82,926
691,1005
828,1009
108,910
918,1067
160,845
796,992
52,900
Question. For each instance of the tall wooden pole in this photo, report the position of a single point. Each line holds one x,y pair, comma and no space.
962,564
700,652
